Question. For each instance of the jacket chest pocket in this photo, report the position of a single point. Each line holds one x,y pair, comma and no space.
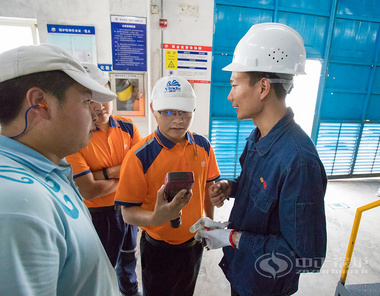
259,209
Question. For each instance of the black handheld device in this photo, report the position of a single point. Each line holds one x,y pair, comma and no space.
175,182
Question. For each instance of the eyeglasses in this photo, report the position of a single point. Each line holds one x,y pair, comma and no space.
173,113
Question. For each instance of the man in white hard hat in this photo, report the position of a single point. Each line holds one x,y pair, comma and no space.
96,170
48,243
277,225
170,257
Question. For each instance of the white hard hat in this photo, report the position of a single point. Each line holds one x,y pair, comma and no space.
173,93
25,60
269,47
95,73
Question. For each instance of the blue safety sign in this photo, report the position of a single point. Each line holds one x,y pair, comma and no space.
128,43
68,29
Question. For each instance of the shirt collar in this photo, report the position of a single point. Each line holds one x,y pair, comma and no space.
31,158
112,122
265,144
166,142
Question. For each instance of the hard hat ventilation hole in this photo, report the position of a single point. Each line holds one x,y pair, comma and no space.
278,56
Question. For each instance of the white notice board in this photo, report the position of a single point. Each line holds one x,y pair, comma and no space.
79,40
192,62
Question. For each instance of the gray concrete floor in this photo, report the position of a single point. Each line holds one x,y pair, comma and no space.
342,199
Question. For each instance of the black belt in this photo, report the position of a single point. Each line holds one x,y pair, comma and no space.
102,209
161,244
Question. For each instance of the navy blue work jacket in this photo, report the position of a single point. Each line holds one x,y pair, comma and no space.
279,207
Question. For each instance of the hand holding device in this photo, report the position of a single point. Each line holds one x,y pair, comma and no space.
175,182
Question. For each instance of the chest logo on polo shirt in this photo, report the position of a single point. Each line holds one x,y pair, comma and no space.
264,183
203,164
22,176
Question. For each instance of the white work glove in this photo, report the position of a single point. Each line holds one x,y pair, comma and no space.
216,238
208,224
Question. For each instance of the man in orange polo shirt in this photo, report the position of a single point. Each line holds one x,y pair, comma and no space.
96,171
170,257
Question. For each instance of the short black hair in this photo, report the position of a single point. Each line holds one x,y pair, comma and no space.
13,91
279,90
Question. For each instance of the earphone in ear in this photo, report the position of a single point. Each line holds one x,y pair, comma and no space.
39,105
42,105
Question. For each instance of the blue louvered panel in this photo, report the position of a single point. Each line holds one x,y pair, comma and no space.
368,158
336,146
223,140
326,145
222,107
245,129
228,139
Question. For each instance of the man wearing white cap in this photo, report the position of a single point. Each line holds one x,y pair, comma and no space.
96,170
48,243
170,257
277,225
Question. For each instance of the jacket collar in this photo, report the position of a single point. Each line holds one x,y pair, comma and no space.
264,145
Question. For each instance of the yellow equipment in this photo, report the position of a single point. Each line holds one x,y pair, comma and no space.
359,289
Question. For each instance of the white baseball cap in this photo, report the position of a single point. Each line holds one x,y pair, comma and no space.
31,59
95,73
173,93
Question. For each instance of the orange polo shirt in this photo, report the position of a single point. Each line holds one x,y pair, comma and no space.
105,150
143,173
